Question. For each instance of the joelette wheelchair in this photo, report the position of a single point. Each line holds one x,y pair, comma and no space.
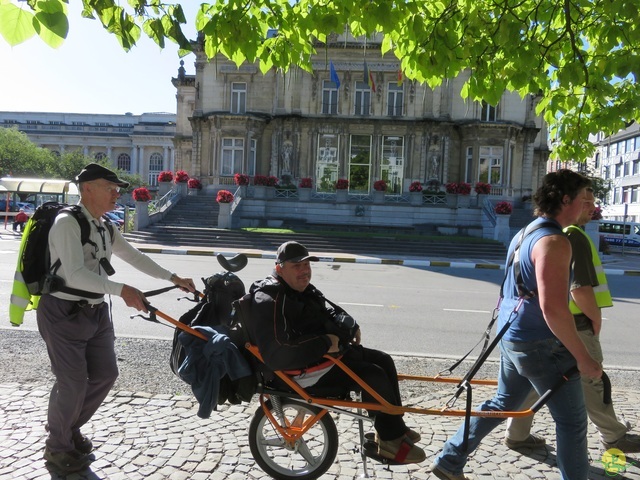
292,434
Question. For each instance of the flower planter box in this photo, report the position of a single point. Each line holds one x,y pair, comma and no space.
502,232
260,192
224,215
142,216
415,198
342,196
464,201
304,194
163,188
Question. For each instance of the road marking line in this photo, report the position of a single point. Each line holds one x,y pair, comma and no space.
465,311
361,304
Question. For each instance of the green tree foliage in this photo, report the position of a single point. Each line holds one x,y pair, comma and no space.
579,58
19,157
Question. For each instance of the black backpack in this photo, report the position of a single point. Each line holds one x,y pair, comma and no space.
215,308
38,274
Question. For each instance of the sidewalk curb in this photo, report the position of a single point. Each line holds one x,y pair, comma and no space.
407,262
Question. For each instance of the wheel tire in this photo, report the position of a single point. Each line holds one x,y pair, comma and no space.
310,457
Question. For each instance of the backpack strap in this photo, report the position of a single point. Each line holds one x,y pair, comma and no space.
514,260
85,232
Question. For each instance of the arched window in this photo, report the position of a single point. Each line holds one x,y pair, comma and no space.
124,162
155,167
100,156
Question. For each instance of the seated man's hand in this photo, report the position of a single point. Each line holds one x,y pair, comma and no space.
357,338
335,343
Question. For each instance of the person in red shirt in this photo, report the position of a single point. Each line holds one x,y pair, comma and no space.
19,220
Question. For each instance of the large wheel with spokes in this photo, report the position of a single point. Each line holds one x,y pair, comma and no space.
306,458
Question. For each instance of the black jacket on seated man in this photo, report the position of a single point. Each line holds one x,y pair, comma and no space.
293,328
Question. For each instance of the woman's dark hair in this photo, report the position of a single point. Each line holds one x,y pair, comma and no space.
555,185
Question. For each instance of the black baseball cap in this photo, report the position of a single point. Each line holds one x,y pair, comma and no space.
94,171
294,252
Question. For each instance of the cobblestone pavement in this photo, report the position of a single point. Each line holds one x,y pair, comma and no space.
145,436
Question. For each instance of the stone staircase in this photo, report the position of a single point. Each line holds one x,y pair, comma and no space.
193,223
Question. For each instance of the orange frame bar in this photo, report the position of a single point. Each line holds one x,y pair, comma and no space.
382,405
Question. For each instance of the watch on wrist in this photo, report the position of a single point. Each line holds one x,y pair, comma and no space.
173,278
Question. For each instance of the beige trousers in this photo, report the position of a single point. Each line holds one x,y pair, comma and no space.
602,415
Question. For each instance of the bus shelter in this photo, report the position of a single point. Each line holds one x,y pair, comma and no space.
36,191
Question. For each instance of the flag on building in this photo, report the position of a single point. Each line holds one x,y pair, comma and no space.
400,78
368,78
333,75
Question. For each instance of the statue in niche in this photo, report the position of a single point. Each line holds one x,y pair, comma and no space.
434,167
287,149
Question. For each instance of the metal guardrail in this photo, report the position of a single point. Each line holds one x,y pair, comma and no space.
166,201
487,208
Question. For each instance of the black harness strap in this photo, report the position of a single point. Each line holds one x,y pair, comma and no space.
523,293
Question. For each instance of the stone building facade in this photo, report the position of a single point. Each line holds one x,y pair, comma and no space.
140,144
617,159
361,127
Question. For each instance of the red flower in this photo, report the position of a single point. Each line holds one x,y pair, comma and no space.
306,182
224,196
194,183
241,179
464,188
380,186
266,181
451,187
165,176
342,184
261,180
141,195
503,208
482,188
415,187
181,176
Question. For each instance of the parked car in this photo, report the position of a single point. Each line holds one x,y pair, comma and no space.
118,213
115,218
12,205
28,207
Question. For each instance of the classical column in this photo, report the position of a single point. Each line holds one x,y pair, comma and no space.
165,158
109,152
528,174
134,159
141,162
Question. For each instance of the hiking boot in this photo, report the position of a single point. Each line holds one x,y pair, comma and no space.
629,443
400,450
67,462
532,441
81,442
444,475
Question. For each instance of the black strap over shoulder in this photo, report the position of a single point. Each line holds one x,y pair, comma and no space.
85,233
514,260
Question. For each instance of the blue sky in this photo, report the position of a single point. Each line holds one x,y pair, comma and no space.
89,73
